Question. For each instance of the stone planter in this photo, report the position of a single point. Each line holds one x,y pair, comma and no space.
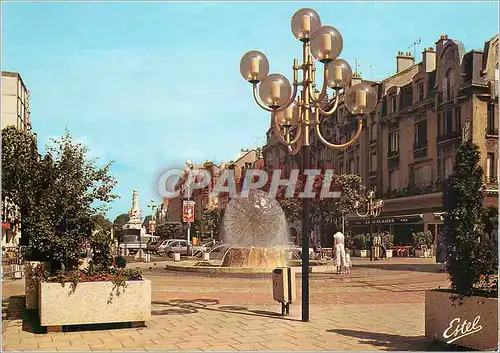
472,324
93,303
362,253
388,253
31,285
423,253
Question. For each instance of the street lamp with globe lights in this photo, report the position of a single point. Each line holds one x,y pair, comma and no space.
373,209
294,114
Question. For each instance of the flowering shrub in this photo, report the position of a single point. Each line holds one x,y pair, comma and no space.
488,285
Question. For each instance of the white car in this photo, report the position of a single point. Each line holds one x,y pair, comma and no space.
180,246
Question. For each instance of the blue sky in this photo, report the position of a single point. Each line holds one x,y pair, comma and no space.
149,85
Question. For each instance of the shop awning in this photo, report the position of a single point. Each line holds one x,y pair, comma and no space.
400,219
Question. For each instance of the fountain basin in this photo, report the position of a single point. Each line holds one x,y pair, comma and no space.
253,257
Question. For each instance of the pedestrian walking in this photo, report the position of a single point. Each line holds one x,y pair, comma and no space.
383,245
338,244
376,246
441,252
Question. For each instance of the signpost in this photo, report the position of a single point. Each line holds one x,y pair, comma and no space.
188,217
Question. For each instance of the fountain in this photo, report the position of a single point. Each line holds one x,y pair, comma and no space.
256,230
255,233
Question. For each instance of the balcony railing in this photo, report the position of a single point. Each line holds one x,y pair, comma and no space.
450,135
420,153
419,145
491,180
491,131
445,95
415,189
392,153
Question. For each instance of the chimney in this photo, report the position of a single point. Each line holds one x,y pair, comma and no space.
429,59
356,78
440,43
404,61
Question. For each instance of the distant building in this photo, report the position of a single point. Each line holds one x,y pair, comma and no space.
15,101
15,112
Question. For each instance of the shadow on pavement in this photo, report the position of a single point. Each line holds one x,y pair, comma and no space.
398,343
432,268
186,306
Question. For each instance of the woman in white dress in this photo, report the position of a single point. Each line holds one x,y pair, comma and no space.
338,244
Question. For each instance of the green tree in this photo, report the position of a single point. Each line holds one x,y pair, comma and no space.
331,210
212,219
146,220
58,205
100,222
20,172
118,223
292,206
470,252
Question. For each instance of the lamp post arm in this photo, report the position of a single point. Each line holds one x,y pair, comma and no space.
266,108
331,110
294,150
278,132
341,145
363,215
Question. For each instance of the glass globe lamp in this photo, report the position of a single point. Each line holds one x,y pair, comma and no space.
254,66
326,44
361,99
288,117
305,22
275,90
339,73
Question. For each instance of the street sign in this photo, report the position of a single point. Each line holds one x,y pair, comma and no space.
188,211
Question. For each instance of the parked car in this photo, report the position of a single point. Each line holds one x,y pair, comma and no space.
152,246
160,249
180,246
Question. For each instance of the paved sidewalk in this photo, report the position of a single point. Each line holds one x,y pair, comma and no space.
373,309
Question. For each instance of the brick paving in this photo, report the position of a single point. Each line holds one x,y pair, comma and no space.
379,306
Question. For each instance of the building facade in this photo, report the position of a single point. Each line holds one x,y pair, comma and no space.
424,112
409,142
15,112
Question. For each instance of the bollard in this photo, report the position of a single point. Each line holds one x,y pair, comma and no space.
206,256
177,257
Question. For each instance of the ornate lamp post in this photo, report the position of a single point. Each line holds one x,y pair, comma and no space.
293,119
373,209
153,205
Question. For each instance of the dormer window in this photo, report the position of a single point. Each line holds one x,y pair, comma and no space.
420,91
392,105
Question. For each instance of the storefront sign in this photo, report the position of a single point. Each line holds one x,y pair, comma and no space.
389,220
